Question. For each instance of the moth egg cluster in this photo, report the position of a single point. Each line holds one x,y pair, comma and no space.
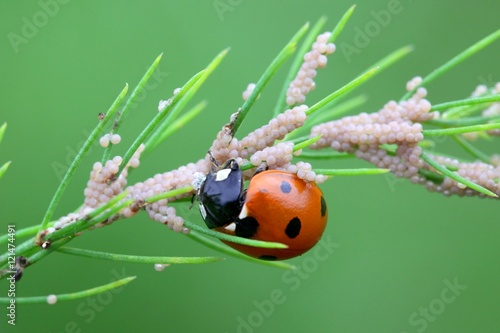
314,59
483,174
248,91
160,183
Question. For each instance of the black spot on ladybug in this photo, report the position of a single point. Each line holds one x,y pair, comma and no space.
285,187
246,227
323,206
293,228
268,257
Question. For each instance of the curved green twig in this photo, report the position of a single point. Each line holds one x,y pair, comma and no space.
218,246
234,239
79,156
70,296
137,259
455,176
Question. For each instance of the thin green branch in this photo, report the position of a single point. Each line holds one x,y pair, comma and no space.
79,156
2,131
284,54
70,296
176,125
473,151
348,87
98,215
156,121
341,24
350,172
137,259
4,167
218,246
461,130
177,106
130,101
25,232
455,176
466,102
169,194
234,239
324,154
455,61
306,143
469,121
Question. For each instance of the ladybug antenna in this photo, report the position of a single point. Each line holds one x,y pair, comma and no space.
212,158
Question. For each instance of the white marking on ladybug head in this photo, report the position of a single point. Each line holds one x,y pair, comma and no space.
203,211
243,212
231,227
222,174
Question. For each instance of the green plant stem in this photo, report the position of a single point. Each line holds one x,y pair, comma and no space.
468,147
350,172
469,121
455,176
455,61
98,215
461,130
79,156
178,104
137,259
218,246
4,167
234,239
341,24
169,194
2,131
155,122
325,154
42,253
466,102
70,296
284,54
25,232
351,85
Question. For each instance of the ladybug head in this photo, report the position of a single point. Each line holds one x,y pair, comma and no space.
221,194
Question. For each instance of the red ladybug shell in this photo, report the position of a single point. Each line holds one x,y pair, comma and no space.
287,210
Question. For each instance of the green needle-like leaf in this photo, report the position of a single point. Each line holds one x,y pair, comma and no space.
234,239
455,61
468,147
455,176
2,131
156,121
466,102
351,85
70,296
350,172
461,130
169,194
3,168
284,54
341,24
178,104
79,157
218,246
137,259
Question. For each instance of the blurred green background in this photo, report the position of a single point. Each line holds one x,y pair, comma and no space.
397,249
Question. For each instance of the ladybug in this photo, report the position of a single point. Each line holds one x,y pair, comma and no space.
277,206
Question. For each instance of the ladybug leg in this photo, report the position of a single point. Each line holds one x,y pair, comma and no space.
212,158
260,168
